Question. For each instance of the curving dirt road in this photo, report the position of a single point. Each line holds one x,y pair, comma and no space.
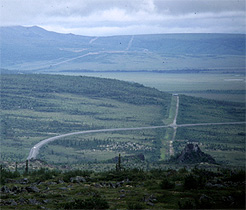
35,149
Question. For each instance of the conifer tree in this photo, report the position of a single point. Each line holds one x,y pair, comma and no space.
118,165
26,166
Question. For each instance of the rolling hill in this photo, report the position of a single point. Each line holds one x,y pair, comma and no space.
33,48
38,106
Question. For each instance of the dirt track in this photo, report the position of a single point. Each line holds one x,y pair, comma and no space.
35,149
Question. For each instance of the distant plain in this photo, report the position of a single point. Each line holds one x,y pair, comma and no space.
218,86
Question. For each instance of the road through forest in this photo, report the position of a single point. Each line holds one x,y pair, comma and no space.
35,149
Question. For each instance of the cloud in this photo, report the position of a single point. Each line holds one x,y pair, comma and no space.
112,17
199,6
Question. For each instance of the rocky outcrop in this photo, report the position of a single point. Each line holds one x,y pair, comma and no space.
193,154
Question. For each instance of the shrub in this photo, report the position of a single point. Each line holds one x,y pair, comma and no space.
190,182
186,205
131,174
166,184
4,174
95,202
135,205
44,174
237,176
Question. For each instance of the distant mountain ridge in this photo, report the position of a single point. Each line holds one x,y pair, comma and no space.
34,48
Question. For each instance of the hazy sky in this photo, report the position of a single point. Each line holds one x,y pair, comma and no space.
115,17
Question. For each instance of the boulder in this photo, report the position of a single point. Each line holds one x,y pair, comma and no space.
60,181
77,179
47,201
22,201
52,183
23,181
122,196
13,203
32,189
33,201
5,189
150,203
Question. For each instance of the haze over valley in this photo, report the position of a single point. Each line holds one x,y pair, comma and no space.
35,49
122,104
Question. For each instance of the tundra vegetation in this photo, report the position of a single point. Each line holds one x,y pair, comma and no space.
84,171
127,169
185,188
35,107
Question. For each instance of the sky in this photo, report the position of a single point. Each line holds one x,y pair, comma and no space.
127,17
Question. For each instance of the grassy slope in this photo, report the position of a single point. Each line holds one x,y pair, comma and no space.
35,107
